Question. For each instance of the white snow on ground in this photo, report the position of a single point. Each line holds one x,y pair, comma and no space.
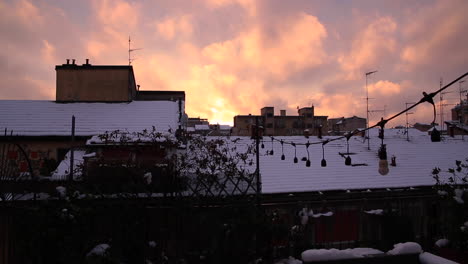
414,162
63,169
99,250
428,258
443,242
405,248
48,118
336,254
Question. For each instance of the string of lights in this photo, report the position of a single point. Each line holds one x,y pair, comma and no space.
426,98
382,153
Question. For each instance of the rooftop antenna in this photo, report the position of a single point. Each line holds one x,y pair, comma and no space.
367,101
462,124
130,50
407,122
440,104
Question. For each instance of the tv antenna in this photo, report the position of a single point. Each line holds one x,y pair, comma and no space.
367,110
130,50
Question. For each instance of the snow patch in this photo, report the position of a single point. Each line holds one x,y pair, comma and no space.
290,260
336,254
61,191
90,155
405,248
152,244
99,250
442,242
312,214
375,212
428,258
148,177
458,196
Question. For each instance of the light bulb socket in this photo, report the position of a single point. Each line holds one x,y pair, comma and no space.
347,161
323,163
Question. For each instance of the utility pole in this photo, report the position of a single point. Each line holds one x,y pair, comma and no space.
257,158
440,106
367,110
462,126
407,123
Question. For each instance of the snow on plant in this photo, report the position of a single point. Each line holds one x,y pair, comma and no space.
216,166
452,186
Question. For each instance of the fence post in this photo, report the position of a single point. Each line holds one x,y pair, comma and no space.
72,154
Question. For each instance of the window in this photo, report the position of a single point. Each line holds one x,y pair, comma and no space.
309,115
270,115
269,125
310,125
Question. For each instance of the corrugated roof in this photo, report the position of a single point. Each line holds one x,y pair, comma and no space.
48,118
414,159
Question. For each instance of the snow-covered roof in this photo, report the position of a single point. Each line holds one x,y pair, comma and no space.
414,162
48,118
202,127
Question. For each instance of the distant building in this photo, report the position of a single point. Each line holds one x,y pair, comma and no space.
102,99
425,127
104,83
201,126
460,112
193,121
282,125
340,125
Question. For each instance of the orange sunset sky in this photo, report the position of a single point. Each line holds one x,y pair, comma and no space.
236,56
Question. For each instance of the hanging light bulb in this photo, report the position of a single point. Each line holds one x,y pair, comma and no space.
282,150
308,156
324,162
308,163
383,163
295,156
271,151
435,135
348,158
348,161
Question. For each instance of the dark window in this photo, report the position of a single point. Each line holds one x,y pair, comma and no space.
309,115
310,126
269,125
270,115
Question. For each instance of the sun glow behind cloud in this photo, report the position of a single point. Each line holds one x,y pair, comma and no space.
236,56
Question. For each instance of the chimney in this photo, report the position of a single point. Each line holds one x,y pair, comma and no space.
73,61
87,62
68,61
282,112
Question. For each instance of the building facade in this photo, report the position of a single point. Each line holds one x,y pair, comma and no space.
341,125
305,123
